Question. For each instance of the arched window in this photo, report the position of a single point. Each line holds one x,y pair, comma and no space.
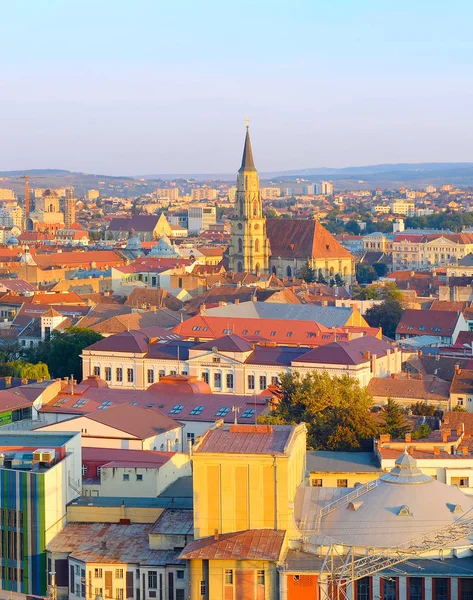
331,271
273,270
345,271
256,245
255,208
257,268
240,267
240,245
289,271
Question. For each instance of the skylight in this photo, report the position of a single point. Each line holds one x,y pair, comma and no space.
176,409
197,410
249,412
222,412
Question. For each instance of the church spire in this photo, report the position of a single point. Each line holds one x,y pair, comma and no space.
247,163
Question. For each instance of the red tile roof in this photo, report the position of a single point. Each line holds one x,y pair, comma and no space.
252,544
290,238
427,322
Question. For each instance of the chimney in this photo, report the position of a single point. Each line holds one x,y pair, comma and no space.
464,450
408,375
421,376
445,435
457,368
436,451
236,301
367,355
216,535
408,437
8,381
384,438
460,429
24,381
393,375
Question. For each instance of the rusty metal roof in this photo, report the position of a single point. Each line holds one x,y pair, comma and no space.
252,544
247,439
174,521
111,543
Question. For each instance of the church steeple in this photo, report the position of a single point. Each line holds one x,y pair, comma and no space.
249,248
247,162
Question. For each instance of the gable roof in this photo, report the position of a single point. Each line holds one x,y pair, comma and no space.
140,223
247,439
432,389
439,323
291,238
228,343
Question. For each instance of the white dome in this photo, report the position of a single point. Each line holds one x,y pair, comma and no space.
134,243
164,249
402,505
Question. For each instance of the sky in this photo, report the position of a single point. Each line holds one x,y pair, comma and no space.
136,87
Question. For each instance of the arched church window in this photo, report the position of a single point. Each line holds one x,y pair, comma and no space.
257,268
240,267
345,271
240,245
256,245
255,209
332,270
273,270
289,271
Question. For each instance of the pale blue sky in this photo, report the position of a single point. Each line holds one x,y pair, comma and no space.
146,86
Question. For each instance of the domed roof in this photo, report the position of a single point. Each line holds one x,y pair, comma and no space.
180,384
12,241
164,249
134,243
398,507
49,193
95,382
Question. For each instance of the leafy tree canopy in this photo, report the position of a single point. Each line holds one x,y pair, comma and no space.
395,421
62,351
387,314
307,273
335,410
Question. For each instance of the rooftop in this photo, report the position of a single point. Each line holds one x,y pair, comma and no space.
342,462
247,439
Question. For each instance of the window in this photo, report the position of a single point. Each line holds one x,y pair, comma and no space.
465,587
217,379
289,334
190,437
389,586
216,359
180,574
343,483
464,482
126,477
98,592
129,375
180,594
98,573
244,332
97,371
119,594
414,586
262,382
152,580
205,378
176,409
228,576
260,577
222,412
118,573
99,471
108,374
248,413
460,401
139,477
203,588
230,381
119,374
150,376
257,331
316,482
251,382
274,380
363,591
197,410
84,469
161,373
273,333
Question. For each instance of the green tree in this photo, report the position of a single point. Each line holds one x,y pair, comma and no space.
62,351
365,273
459,408
387,314
423,409
353,227
380,269
370,292
421,432
26,370
395,419
336,410
338,280
307,273
321,279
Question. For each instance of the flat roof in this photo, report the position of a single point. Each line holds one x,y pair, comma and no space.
158,502
342,462
40,439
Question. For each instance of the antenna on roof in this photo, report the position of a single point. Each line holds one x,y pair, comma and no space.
236,410
178,361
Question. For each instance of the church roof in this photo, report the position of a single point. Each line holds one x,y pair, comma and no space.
293,238
247,162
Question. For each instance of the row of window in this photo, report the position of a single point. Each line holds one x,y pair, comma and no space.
130,374
415,588
341,483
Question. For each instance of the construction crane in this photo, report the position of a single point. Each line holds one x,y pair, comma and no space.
340,568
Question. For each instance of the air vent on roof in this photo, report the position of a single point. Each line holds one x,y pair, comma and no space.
404,511
354,505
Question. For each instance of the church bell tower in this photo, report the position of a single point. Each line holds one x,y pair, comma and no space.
249,246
